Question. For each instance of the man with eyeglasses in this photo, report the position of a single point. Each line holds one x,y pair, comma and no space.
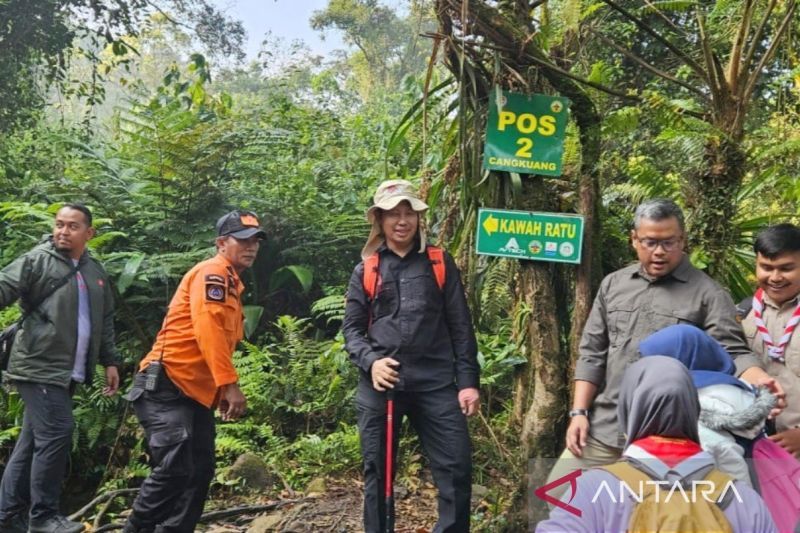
661,289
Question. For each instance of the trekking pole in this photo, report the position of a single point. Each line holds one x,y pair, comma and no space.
388,485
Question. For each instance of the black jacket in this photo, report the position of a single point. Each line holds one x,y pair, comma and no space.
429,331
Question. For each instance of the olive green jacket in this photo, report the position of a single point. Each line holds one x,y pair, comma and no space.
44,348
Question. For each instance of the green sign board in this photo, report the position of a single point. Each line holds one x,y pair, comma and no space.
527,235
525,133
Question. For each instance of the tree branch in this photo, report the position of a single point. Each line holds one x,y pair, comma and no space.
751,85
665,18
227,513
426,89
650,31
546,64
751,52
734,62
103,497
716,83
236,511
641,62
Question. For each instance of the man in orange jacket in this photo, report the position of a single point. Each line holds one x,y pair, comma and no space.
186,375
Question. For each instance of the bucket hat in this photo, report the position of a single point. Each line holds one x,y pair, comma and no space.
388,195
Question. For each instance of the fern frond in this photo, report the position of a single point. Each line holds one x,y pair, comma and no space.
329,308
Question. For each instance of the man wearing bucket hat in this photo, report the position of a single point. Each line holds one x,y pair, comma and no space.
188,373
408,329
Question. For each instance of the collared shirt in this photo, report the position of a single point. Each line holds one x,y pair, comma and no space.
788,374
629,307
201,330
427,329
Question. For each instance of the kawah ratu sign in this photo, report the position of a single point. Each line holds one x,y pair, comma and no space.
530,235
525,133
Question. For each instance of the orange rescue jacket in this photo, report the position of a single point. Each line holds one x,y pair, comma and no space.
201,330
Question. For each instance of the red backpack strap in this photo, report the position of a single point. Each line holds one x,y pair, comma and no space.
436,257
372,275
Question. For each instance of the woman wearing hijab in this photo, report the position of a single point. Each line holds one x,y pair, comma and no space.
732,419
732,412
658,411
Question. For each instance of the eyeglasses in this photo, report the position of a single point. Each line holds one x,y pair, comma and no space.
667,244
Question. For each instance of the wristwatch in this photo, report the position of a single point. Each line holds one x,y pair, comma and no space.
578,412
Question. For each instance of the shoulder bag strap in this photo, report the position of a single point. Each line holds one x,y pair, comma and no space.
63,281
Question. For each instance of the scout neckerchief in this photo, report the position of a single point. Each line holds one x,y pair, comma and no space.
773,350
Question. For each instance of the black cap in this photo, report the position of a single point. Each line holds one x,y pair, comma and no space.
240,225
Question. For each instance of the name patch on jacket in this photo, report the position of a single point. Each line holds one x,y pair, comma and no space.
215,292
215,278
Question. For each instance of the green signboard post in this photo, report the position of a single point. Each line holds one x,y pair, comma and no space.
525,133
527,235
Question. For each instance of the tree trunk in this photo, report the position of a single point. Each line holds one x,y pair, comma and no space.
541,385
546,373
587,275
711,201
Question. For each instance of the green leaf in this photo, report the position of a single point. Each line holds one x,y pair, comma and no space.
252,315
671,5
105,238
129,272
284,275
622,121
699,258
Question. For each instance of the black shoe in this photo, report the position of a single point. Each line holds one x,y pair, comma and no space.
55,524
16,524
130,528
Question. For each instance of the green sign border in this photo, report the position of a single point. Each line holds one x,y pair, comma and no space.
478,228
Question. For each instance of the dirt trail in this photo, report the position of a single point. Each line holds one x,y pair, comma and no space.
337,510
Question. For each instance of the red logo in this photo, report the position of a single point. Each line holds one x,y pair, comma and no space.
541,492
100,282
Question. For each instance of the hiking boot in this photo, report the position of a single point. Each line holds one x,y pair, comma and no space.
55,524
16,524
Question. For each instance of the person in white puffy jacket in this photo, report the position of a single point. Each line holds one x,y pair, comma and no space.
732,412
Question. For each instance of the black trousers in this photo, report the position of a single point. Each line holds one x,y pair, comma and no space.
442,430
180,434
35,470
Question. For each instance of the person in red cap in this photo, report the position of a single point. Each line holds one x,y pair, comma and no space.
188,373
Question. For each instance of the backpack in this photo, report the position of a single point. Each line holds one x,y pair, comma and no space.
778,475
674,513
372,274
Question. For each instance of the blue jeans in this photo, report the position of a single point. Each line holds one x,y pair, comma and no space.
35,470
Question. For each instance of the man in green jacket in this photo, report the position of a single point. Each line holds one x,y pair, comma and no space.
57,346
